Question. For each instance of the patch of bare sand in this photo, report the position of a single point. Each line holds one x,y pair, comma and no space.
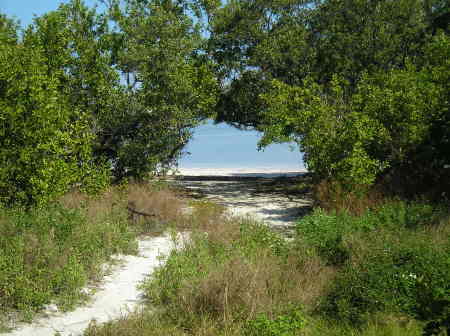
261,193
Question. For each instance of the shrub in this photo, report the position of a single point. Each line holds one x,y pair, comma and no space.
283,325
398,271
330,233
49,253
392,258
45,146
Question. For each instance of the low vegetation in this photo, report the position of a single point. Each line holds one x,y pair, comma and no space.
48,254
385,272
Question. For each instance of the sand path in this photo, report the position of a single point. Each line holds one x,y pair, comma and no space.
118,294
242,191
260,193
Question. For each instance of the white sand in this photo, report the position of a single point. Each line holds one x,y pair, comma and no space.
242,197
118,295
241,172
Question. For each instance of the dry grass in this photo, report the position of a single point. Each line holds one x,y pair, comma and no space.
331,195
96,206
440,233
223,278
231,271
147,205
137,324
262,285
152,200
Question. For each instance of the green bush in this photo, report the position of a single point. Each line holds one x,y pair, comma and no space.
282,325
49,253
45,145
410,276
329,233
391,259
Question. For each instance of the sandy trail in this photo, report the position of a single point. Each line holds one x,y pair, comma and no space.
119,294
242,191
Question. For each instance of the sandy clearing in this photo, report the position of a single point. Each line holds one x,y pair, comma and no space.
239,189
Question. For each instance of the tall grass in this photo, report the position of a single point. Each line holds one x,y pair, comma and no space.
229,275
49,254
236,277
383,272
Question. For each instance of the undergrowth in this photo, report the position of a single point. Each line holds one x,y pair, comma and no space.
382,273
391,259
49,253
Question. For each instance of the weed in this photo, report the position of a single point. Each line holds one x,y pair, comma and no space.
287,324
48,254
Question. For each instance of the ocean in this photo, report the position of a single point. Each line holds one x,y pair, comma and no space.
223,146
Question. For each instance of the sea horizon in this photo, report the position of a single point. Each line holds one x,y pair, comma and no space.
223,146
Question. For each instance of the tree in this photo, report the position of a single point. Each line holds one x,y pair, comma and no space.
8,30
170,87
254,42
257,41
353,82
393,124
45,145
76,46
137,70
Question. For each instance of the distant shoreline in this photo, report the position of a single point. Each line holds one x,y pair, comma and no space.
268,172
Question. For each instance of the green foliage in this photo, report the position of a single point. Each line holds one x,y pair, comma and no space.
409,276
68,117
354,83
391,262
283,325
253,42
77,46
359,35
379,325
8,30
330,233
390,124
169,87
333,137
49,253
290,41
45,146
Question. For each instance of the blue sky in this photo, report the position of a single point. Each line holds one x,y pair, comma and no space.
213,146
24,10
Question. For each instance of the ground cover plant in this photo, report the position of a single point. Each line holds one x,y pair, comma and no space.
232,277
382,273
48,254
391,259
